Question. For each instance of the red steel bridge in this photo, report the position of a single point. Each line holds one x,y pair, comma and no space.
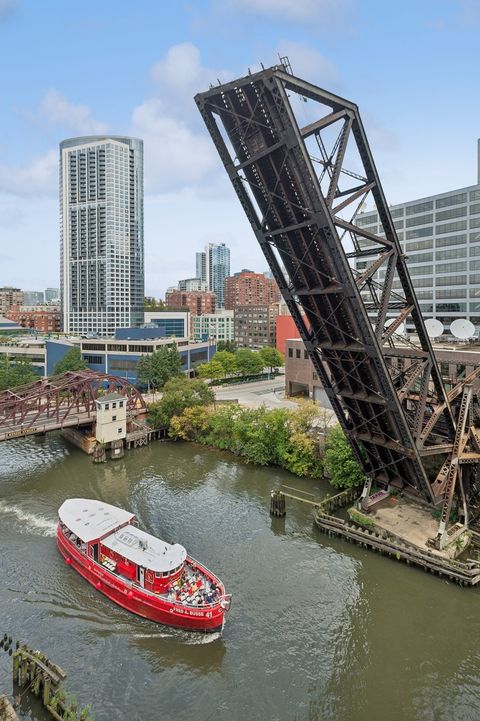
62,401
300,163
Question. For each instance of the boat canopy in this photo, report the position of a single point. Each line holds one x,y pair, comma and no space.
146,550
89,519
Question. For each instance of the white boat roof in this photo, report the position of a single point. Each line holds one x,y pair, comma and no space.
89,519
145,550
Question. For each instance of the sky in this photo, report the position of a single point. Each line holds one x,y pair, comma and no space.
132,68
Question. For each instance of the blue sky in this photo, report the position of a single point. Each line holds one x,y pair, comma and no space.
69,69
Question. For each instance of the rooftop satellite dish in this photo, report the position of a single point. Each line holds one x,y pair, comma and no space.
434,327
462,329
401,328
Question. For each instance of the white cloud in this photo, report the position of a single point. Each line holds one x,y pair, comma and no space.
180,75
39,177
178,151
305,12
175,155
54,109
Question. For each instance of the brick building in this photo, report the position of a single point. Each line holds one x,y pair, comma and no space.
197,302
254,325
43,318
249,288
9,296
456,362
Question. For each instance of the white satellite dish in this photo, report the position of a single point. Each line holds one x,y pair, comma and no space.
462,329
401,328
434,327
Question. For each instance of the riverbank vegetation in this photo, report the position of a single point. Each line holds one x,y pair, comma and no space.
292,439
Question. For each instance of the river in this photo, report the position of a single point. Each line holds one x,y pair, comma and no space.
319,630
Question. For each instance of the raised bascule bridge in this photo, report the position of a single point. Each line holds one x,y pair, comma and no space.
69,400
300,163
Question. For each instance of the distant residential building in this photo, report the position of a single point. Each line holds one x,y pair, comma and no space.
189,284
9,296
254,325
176,324
217,257
201,267
197,302
249,288
33,297
101,212
440,235
52,294
219,325
42,318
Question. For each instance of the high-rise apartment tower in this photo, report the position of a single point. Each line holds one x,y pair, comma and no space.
101,231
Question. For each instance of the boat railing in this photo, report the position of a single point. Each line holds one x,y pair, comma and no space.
204,568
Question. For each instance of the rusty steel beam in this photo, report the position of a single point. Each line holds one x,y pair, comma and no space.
288,194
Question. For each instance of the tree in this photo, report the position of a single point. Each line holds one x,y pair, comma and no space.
271,357
178,394
213,370
340,465
249,363
192,425
228,345
227,360
155,369
152,304
16,372
71,361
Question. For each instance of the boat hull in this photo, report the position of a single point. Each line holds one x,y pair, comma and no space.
133,598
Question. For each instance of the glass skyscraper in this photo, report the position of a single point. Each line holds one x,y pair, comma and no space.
101,232
217,257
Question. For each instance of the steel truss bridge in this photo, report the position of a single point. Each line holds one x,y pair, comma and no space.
300,163
62,401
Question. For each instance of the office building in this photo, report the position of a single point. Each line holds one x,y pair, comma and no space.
8,297
101,225
218,326
175,323
440,235
249,288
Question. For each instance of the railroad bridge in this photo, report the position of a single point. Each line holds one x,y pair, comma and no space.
63,401
299,160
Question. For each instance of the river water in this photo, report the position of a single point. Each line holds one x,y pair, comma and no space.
319,630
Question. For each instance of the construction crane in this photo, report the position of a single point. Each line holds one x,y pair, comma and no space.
301,172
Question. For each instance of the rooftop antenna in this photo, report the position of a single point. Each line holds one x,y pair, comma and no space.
462,328
434,327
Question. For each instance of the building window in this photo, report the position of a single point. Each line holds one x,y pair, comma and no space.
298,353
114,418
120,430
107,406
290,352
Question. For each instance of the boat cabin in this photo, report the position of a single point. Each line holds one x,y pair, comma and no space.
106,535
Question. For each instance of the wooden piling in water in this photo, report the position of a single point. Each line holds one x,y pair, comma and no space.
277,503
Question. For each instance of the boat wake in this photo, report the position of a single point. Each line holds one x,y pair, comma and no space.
29,522
188,638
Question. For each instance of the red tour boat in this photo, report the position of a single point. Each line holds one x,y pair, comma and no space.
141,573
